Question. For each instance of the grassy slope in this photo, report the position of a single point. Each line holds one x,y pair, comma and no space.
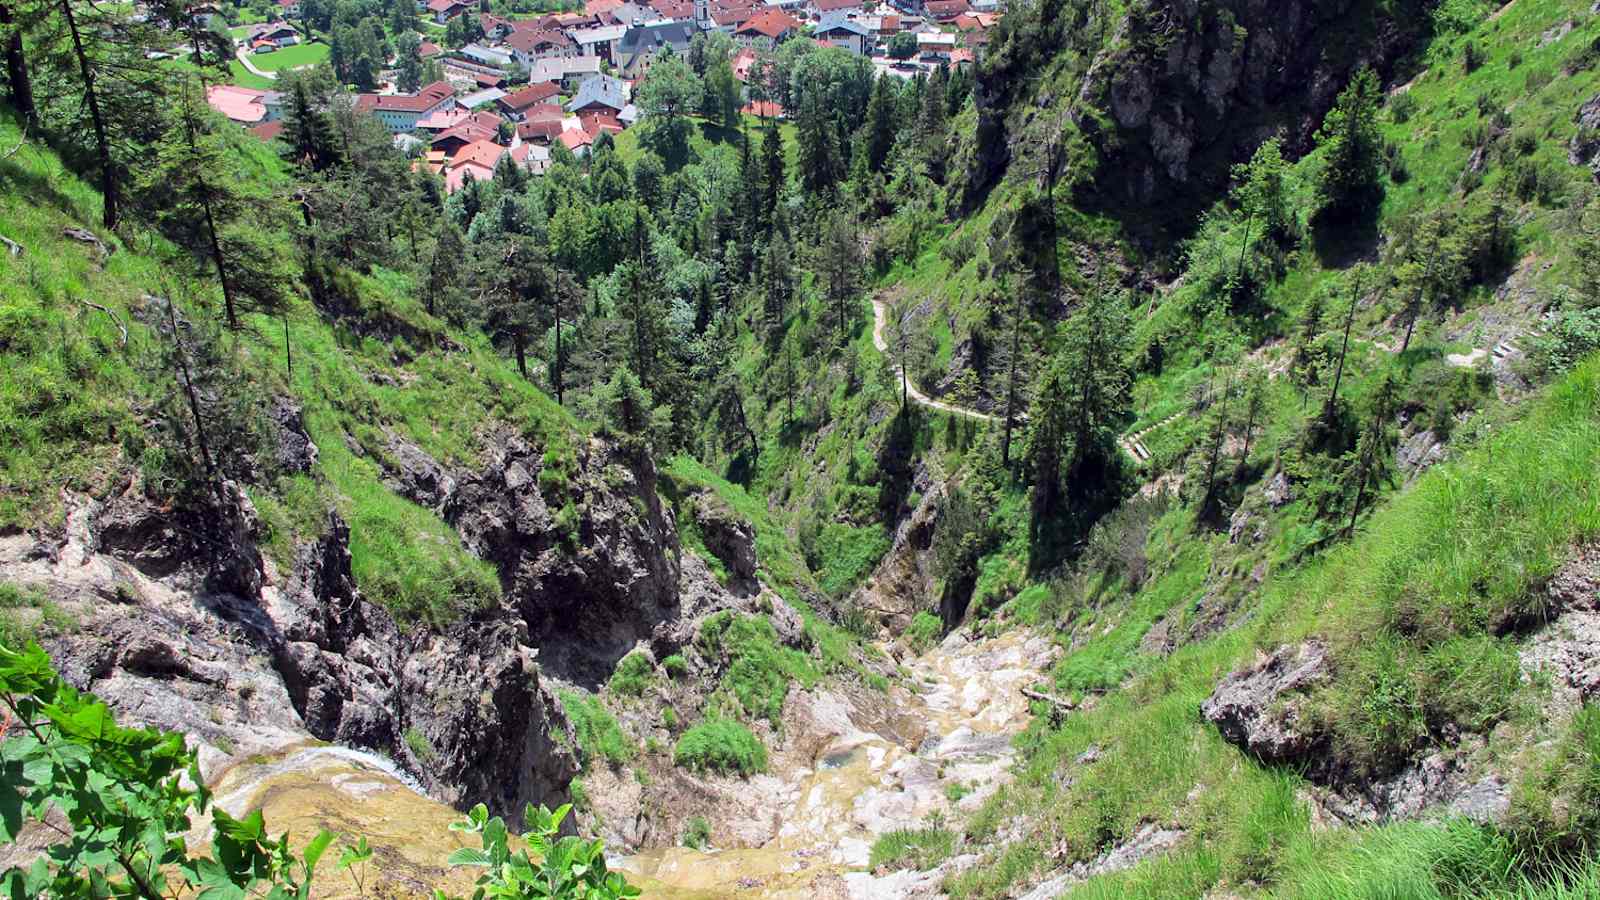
1463,550
70,391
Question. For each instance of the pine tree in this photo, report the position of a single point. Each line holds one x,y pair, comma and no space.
444,268
1351,184
840,262
198,197
933,125
1377,442
881,125
308,133
775,175
820,165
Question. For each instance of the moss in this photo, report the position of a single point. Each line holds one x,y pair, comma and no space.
599,736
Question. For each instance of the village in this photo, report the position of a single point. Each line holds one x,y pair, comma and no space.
519,85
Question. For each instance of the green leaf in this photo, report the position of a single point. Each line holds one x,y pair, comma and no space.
12,778
469,856
315,849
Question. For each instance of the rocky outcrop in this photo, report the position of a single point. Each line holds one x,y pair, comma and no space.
1584,148
183,625
904,579
728,536
1256,708
1193,86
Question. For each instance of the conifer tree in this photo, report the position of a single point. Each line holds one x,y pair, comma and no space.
1351,185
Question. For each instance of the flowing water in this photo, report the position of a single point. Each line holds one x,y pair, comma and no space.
966,694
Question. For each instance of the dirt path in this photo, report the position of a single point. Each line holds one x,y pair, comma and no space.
244,60
880,322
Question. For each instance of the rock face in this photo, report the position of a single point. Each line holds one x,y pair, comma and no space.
588,558
1194,85
1584,149
1255,707
728,536
904,579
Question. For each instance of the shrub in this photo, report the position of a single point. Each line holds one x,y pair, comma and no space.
598,734
758,670
924,631
1472,57
722,746
845,555
419,745
912,848
632,675
675,666
1401,107
697,833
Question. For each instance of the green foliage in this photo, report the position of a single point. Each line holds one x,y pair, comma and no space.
1351,184
420,746
919,848
118,798
599,736
632,675
697,833
924,631
846,555
675,666
547,865
756,669
26,614
721,746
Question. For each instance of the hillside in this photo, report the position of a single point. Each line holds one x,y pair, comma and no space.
1154,459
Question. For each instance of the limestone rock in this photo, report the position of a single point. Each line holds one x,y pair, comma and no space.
728,536
1254,708
1584,148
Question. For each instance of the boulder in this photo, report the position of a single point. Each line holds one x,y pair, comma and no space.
1584,148
1255,707
728,536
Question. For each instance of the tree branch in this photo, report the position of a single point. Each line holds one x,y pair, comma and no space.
120,326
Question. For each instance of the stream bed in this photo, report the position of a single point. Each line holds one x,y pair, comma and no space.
966,694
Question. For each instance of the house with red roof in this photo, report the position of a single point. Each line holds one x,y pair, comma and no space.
599,8
767,30
542,130
428,50
401,112
479,126
763,109
267,131
445,10
529,44
820,8
672,9
743,62
515,106
577,141
947,10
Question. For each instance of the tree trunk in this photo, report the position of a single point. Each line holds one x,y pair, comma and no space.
217,257
18,79
188,389
556,368
288,352
522,352
1338,375
1416,305
108,174
1238,277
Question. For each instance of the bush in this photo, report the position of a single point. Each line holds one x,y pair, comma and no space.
846,554
758,670
721,746
419,745
1472,57
924,631
1401,107
632,675
599,736
912,848
675,666
697,833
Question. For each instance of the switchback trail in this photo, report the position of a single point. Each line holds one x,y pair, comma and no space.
880,317
880,323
